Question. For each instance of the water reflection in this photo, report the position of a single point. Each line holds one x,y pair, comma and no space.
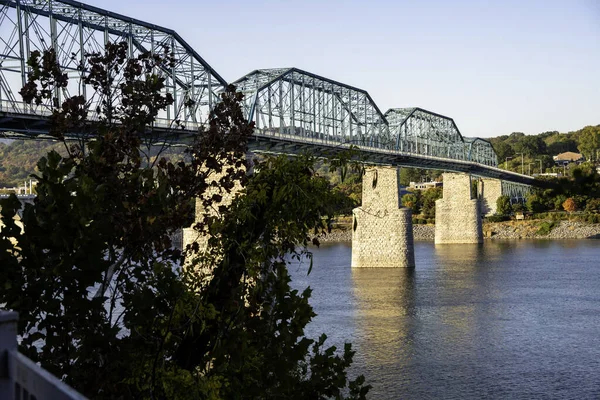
385,302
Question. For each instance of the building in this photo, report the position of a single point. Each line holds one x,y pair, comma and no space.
425,185
567,158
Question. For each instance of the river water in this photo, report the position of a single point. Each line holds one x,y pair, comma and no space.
507,319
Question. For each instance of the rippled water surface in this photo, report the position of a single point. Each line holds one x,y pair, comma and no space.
517,320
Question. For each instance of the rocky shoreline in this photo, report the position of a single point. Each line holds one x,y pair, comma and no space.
497,230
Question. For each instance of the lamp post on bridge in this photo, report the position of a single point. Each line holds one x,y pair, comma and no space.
541,170
506,162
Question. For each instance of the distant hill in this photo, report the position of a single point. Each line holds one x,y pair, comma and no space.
18,159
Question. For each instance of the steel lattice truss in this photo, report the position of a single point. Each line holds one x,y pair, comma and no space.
74,29
294,103
480,151
419,131
516,191
288,102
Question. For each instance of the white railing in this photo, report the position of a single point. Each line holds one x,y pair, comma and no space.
21,378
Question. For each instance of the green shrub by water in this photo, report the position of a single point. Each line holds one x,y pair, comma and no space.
498,218
545,227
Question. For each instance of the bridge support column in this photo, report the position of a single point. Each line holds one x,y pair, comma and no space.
382,233
190,235
490,191
458,214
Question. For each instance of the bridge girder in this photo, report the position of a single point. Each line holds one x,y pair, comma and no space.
73,30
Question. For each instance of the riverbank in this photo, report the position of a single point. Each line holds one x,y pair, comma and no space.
533,229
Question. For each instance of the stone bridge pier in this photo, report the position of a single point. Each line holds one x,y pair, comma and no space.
458,213
489,190
382,233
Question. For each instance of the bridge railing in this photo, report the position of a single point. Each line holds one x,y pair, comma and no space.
21,378
19,108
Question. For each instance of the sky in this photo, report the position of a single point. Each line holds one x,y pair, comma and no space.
495,67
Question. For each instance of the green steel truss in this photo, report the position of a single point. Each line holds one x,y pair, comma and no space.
73,29
419,131
294,103
291,103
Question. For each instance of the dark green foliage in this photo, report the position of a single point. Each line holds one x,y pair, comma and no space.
518,207
102,297
593,206
503,206
284,204
545,227
413,201
589,142
428,198
503,150
422,202
350,194
530,145
498,218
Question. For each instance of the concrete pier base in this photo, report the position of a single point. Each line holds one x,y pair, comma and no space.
382,234
458,214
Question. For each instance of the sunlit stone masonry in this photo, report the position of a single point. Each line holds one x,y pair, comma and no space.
382,233
190,235
458,213
489,192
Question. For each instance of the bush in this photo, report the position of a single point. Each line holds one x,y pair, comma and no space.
545,227
569,205
518,207
498,218
558,202
535,203
592,218
503,206
593,206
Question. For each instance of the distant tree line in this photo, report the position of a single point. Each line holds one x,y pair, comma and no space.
524,153
578,193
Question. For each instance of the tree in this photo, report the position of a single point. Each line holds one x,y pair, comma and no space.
408,175
350,194
503,206
559,143
428,198
412,201
593,206
559,201
589,142
535,203
503,150
530,145
569,205
103,298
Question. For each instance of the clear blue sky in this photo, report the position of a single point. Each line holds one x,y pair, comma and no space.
496,67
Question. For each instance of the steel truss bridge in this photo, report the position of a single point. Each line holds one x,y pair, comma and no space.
293,110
